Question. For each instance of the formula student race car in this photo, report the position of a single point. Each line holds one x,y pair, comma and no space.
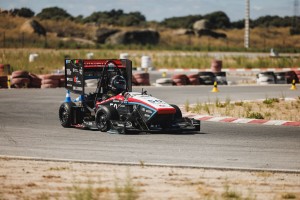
113,107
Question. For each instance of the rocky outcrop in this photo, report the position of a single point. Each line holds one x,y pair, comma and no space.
202,24
32,26
142,37
202,28
103,33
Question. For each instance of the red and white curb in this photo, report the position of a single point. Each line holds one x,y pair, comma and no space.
241,120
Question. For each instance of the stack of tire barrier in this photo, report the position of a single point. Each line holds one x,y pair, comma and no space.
35,81
201,78
3,82
194,79
1,69
141,79
298,74
220,77
20,79
52,81
216,65
134,81
164,82
180,79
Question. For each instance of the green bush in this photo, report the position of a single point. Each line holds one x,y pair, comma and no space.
255,115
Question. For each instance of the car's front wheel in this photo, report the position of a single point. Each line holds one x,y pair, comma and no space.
104,115
65,114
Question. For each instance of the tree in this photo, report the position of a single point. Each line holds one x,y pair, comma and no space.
181,22
116,17
23,12
240,24
54,13
218,20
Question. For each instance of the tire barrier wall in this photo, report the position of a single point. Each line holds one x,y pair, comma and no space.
298,74
201,78
20,79
180,79
4,69
52,81
3,82
24,79
141,79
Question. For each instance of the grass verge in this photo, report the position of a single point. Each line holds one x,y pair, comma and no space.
269,109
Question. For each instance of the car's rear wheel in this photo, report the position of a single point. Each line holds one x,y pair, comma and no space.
65,114
104,115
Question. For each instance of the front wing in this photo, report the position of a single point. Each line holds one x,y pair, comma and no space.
179,126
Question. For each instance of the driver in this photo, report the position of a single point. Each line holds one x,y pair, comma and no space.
117,85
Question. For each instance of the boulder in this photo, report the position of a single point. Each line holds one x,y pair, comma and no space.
203,28
103,33
142,37
32,26
202,24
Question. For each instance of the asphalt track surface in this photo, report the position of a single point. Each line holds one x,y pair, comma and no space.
29,126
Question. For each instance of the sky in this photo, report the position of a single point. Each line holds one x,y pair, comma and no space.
158,10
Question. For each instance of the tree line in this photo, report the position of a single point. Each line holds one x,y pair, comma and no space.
216,20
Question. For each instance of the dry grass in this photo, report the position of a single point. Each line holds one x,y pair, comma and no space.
98,181
77,41
269,109
52,59
262,39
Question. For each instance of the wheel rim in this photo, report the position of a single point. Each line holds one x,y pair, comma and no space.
102,121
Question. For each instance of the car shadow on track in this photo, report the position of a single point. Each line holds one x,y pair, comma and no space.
147,133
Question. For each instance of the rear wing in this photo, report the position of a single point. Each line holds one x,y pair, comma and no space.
79,70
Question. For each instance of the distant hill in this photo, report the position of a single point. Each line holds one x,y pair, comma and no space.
66,31
218,19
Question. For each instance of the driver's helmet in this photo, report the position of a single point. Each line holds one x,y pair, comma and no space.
118,84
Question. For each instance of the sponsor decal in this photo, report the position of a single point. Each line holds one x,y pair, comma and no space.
77,88
69,72
155,101
163,105
68,61
75,70
69,85
70,79
76,80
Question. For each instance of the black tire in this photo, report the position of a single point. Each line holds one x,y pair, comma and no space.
103,116
178,114
65,114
